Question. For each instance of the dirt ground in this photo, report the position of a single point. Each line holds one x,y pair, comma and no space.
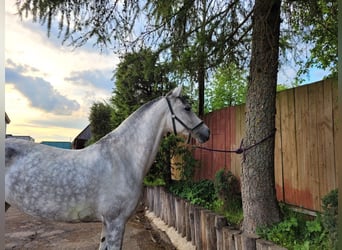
26,232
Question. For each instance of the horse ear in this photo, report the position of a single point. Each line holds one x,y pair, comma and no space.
175,92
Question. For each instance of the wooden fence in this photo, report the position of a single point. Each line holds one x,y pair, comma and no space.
203,228
305,148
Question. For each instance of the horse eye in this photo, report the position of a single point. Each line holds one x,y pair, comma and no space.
187,107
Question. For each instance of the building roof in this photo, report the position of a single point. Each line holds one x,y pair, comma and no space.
82,138
85,134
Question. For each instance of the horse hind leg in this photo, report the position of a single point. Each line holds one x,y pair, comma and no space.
7,206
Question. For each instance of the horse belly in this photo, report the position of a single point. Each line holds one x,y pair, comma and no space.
61,197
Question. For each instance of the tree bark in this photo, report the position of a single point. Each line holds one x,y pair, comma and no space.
260,206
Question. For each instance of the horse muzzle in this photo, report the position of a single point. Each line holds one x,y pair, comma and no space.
202,134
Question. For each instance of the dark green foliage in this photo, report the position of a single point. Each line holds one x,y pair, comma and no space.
139,78
222,195
103,23
227,88
330,214
297,231
228,192
313,22
100,120
200,193
227,188
201,35
171,146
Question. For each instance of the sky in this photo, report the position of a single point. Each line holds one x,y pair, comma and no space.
50,87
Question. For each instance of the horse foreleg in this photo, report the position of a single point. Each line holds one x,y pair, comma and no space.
103,245
112,234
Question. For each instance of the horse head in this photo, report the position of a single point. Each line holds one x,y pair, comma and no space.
183,119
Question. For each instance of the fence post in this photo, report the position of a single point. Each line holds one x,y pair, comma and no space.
198,232
220,222
229,237
248,241
177,214
163,204
263,244
148,198
172,211
205,225
210,231
180,217
192,223
187,221
156,201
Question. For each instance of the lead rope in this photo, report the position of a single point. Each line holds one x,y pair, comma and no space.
241,149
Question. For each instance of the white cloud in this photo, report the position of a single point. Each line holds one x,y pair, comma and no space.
49,87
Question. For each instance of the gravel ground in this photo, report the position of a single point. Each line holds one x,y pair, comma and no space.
26,232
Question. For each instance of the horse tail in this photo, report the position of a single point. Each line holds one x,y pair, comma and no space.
10,154
7,206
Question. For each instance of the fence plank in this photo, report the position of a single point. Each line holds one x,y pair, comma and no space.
238,135
289,172
326,143
336,120
305,149
315,92
219,141
303,194
278,157
229,117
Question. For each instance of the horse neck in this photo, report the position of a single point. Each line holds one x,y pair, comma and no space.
140,135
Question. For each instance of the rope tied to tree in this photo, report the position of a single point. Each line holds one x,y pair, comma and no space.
241,149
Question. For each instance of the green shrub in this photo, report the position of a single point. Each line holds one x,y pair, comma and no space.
329,215
222,195
200,193
227,189
297,232
170,146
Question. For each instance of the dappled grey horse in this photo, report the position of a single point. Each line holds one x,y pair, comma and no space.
102,181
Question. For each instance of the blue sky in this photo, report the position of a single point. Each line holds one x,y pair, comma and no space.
49,87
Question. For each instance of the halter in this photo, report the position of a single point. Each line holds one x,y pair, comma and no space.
175,117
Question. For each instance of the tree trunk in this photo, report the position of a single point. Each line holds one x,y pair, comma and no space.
201,86
260,206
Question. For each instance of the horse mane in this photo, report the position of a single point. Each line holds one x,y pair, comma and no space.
143,108
133,118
